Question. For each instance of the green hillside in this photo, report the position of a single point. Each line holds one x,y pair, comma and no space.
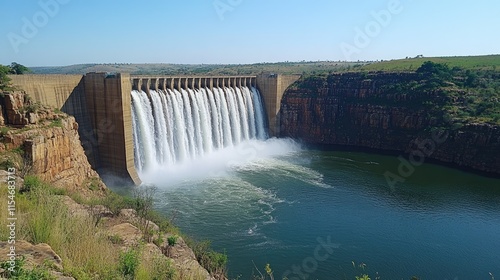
486,62
203,69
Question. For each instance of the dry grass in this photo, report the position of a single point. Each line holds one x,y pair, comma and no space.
155,267
86,252
85,249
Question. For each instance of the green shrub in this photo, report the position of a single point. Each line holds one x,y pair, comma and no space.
159,268
31,183
34,184
7,163
211,260
217,262
37,273
4,130
56,123
93,184
163,223
129,261
172,240
114,202
456,126
159,240
32,108
18,150
116,239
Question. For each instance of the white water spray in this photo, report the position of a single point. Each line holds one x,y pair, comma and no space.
171,127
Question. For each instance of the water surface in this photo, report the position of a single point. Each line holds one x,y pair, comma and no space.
274,202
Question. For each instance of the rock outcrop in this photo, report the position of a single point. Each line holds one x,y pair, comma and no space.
125,227
39,255
358,111
50,140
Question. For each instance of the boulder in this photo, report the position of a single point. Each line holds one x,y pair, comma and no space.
36,255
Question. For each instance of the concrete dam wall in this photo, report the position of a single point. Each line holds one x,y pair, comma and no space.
101,104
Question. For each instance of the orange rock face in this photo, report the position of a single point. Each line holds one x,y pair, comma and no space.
50,141
355,110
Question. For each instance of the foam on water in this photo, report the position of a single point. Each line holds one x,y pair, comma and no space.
248,154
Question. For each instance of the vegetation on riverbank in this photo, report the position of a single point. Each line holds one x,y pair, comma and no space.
464,95
455,95
86,249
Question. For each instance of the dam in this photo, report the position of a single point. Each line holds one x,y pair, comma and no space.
110,108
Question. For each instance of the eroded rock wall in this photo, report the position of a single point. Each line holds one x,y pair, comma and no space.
356,110
50,141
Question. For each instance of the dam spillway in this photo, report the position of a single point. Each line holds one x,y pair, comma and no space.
101,104
174,124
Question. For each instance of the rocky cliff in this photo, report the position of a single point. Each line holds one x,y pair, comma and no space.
49,141
362,110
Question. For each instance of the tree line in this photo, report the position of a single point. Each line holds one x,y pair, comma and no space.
15,69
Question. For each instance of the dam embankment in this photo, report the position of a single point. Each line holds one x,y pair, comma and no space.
101,104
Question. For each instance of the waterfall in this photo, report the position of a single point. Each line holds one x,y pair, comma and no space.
173,126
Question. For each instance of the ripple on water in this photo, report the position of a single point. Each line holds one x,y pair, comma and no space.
285,170
230,201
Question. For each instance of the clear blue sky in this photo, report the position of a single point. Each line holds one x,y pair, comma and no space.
64,32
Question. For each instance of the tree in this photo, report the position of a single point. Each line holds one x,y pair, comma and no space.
438,69
435,73
4,79
18,69
471,79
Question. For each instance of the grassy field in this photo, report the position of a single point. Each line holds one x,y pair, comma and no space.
203,69
486,62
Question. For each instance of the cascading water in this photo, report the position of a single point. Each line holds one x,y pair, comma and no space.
173,126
